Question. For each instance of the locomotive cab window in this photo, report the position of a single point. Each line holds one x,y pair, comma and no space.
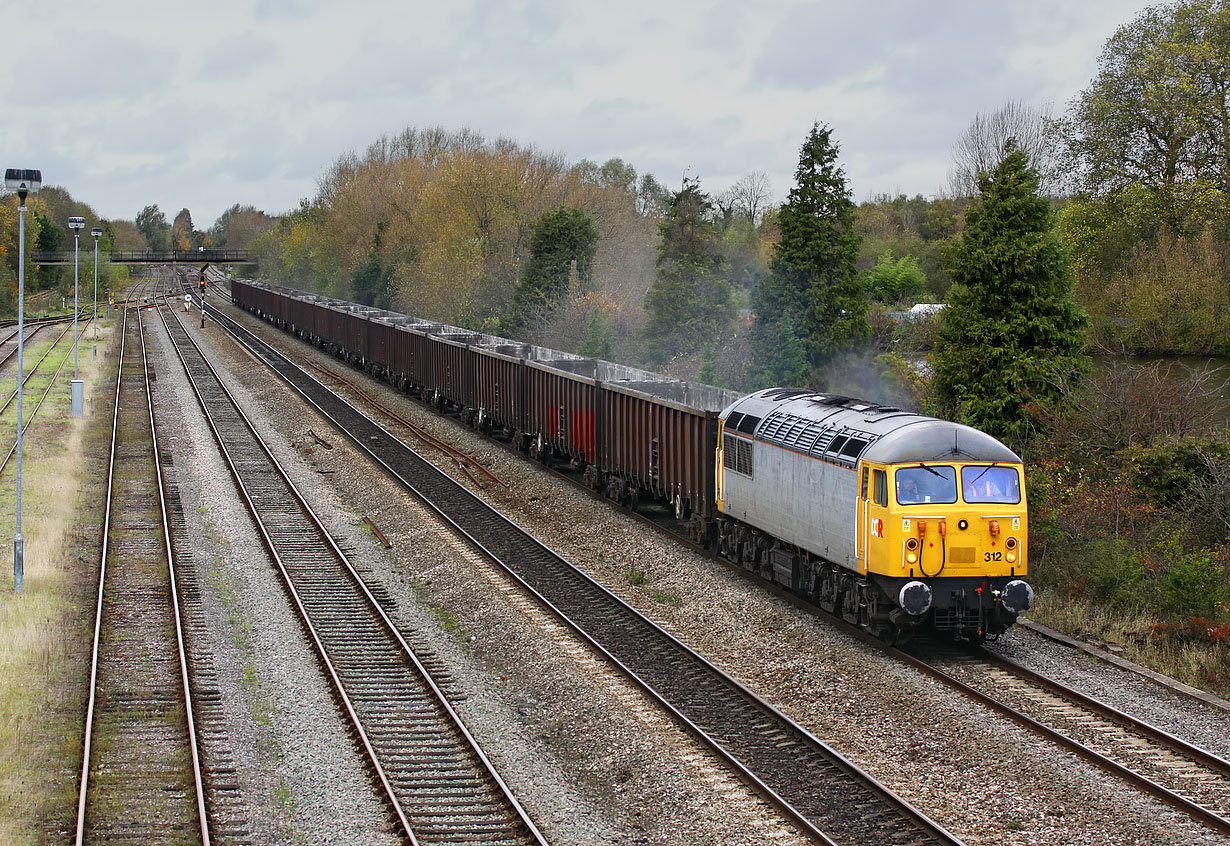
991,484
881,486
921,484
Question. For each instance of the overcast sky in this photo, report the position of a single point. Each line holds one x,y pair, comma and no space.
207,104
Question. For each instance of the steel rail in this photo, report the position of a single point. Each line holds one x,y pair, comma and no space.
87,745
1195,811
459,458
30,333
34,411
932,830
189,708
98,606
374,605
30,373
1109,712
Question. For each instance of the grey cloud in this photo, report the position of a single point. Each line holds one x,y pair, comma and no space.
237,56
284,10
78,66
818,45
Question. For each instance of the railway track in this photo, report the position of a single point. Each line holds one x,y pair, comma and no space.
141,776
1164,766
29,415
439,785
821,792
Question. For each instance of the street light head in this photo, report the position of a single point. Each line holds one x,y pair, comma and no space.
22,179
96,232
76,223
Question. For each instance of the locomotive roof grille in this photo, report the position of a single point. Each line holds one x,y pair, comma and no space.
839,401
748,424
813,437
822,442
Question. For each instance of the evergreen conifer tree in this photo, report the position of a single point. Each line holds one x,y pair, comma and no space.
560,238
1010,330
690,302
372,282
810,307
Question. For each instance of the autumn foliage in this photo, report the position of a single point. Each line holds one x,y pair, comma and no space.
451,218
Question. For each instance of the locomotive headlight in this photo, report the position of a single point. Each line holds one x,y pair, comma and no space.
1010,557
911,558
911,544
963,525
1010,543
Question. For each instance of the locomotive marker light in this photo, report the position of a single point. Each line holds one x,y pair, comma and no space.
97,233
23,181
78,387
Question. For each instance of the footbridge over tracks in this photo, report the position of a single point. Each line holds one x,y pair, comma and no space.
152,257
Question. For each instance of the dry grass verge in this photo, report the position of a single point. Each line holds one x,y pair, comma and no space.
45,632
1143,639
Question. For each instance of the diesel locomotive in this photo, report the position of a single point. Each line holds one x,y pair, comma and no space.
894,520
888,518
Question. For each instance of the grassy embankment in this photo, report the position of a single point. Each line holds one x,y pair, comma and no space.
1130,538
45,631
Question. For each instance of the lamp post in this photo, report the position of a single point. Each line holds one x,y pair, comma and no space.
78,387
97,233
22,181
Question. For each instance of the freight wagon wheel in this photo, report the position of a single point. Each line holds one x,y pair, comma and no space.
681,507
592,478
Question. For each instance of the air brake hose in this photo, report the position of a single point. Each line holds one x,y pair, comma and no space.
943,560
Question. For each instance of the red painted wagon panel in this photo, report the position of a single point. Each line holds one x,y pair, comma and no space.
499,387
448,365
560,405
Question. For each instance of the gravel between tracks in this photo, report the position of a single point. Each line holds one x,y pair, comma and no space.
298,771
594,764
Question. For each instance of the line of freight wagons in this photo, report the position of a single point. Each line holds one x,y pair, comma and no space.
634,433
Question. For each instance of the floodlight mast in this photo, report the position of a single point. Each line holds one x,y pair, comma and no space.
76,224
23,181
97,233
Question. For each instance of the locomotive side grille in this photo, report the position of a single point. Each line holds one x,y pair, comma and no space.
737,455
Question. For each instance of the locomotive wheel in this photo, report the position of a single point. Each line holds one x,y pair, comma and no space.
879,615
828,592
851,602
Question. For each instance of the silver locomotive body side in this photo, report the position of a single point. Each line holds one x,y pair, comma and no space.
801,500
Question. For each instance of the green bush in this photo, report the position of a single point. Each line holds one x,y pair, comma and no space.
1195,586
1115,573
1166,474
895,280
